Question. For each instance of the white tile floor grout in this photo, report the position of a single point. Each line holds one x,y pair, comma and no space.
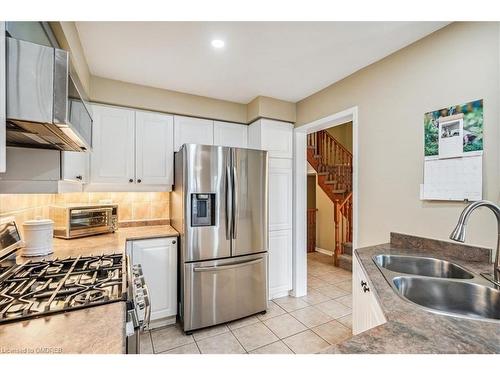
326,321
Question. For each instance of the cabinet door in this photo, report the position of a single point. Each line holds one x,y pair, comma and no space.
280,194
366,311
277,138
158,258
230,134
192,130
75,166
113,156
154,142
280,263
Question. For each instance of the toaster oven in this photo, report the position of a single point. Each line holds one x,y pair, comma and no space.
80,220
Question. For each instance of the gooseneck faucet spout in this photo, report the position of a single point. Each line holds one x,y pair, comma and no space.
458,233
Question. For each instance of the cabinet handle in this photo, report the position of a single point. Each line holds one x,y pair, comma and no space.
174,242
139,180
365,287
79,177
131,180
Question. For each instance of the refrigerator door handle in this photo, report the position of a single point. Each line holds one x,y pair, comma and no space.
235,206
227,266
229,204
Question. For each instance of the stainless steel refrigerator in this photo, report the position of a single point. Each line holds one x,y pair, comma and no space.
220,209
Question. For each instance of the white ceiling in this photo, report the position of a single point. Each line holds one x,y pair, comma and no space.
284,60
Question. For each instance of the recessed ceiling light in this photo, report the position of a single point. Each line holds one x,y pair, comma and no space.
217,43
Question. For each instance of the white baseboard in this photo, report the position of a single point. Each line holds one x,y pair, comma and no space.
324,251
278,293
157,323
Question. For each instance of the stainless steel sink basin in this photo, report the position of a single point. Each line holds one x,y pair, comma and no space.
450,297
421,266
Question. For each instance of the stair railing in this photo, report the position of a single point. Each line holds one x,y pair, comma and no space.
343,224
334,158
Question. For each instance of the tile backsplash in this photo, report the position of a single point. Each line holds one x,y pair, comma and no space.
132,206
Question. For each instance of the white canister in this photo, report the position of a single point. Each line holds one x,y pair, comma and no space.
38,235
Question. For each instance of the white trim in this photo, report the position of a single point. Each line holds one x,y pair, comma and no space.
299,283
162,322
323,251
133,187
278,293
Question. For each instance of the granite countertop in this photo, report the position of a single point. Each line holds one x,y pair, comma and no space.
410,329
98,329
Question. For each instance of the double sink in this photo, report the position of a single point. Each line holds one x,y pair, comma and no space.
440,286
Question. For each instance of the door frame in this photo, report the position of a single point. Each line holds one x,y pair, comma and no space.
299,250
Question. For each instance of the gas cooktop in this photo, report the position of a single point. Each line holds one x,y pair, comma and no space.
37,288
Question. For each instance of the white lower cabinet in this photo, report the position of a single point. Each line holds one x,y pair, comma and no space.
366,311
158,258
280,263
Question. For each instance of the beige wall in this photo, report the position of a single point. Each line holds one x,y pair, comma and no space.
343,134
325,233
110,91
264,106
452,66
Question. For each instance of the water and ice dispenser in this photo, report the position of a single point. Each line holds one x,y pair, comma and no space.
202,209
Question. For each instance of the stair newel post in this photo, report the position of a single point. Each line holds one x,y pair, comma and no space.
336,217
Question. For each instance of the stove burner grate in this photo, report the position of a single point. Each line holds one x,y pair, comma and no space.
37,288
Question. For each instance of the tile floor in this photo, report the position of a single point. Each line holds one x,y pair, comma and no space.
291,325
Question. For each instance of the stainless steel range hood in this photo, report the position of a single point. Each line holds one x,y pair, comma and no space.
44,106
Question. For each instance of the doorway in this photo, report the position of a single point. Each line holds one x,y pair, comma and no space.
300,191
329,162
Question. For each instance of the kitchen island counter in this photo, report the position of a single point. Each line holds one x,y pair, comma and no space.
99,329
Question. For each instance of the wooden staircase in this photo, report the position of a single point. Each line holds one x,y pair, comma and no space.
333,164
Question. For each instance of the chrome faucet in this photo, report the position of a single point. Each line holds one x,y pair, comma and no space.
458,233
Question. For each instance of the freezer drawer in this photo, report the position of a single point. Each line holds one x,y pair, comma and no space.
220,291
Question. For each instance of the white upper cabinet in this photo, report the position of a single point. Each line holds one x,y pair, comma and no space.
192,130
230,134
273,136
75,166
132,150
113,140
280,194
154,148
